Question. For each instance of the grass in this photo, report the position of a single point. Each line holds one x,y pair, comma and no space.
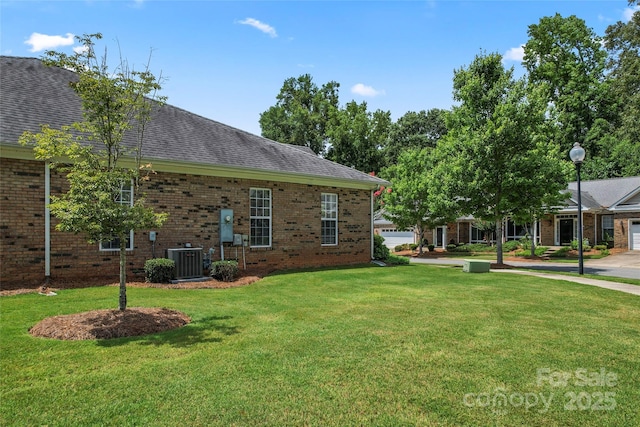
409,345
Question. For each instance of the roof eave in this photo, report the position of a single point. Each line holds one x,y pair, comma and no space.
203,169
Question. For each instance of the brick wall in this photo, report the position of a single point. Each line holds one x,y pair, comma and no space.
193,204
621,229
547,231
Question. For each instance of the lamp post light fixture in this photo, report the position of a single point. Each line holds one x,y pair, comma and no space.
577,154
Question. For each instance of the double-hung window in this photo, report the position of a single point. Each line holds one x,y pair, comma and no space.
124,198
329,227
607,227
260,217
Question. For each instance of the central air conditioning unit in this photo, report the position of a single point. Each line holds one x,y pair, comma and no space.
188,262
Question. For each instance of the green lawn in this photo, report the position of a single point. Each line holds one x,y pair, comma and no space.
410,345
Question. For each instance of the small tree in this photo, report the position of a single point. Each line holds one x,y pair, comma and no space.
410,203
116,106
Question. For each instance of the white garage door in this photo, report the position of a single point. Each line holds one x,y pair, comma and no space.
635,236
395,238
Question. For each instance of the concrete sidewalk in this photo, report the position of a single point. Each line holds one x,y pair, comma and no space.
623,268
616,286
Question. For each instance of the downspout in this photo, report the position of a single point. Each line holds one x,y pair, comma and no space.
47,222
595,229
371,225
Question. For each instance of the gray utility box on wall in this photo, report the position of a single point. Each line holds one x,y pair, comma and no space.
188,262
226,225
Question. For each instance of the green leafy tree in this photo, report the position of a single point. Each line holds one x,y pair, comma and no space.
622,41
487,160
414,130
301,113
102,154
566,58
408,202
357,135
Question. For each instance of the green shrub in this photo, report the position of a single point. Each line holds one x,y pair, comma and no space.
159,270
431,248
600,247
562,252
540,250
461,248
511,245
396,260
481,247
405,247
452,247
380,251
605,252
413,246
585,245
225,271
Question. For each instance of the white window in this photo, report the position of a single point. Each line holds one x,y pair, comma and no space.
329,223
125,198
260,217
607,227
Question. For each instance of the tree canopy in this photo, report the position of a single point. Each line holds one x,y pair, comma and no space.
489,158
301,114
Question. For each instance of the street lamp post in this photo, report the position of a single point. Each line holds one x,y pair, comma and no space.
577,154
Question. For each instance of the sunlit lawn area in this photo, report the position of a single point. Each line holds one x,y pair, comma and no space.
410,345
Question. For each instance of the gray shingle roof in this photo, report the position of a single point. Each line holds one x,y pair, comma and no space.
34,94
604,192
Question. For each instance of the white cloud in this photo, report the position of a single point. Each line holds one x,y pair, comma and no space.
80,49
514,54
629,11
40,42
265,28
363,90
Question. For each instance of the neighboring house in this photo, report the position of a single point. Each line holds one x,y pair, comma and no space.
392,235
610,215
295,209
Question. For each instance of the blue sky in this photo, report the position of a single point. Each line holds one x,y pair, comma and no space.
227,60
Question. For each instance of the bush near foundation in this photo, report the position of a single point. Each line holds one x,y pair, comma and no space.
159,270
226,271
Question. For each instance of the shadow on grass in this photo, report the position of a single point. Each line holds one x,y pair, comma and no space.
210,329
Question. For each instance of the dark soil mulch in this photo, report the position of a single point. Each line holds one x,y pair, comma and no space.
106,324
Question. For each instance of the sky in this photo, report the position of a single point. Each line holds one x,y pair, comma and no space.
227,60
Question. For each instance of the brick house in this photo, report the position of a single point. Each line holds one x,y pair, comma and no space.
610,215
293,208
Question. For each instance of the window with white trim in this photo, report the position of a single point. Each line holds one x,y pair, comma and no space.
124,198
260,217
329,222
607,227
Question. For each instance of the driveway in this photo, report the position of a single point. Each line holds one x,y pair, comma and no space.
629,259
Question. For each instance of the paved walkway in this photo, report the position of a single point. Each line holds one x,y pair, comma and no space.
625,265
622,287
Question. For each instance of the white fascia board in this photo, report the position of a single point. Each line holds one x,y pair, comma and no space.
633,193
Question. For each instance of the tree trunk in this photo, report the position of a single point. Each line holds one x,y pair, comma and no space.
499,240
532,233
123,274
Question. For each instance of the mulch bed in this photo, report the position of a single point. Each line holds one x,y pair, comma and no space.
108,324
